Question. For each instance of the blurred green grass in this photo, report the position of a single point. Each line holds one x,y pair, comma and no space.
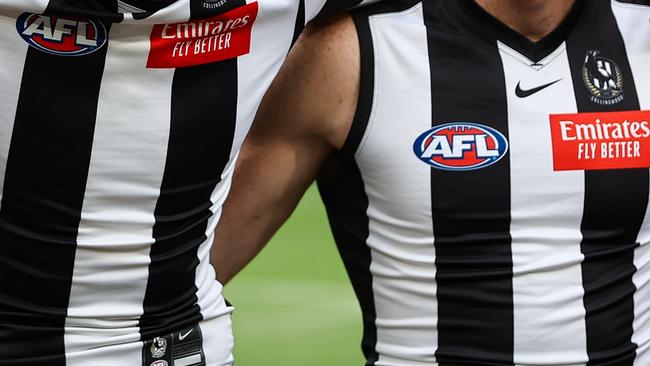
294,305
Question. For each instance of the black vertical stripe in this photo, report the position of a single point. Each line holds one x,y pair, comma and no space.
615,204
202,128
44,186
343,192
471,210
342,189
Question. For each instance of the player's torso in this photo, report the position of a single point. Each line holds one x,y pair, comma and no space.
481,217
118,135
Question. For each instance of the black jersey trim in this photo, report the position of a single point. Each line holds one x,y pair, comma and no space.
490,28
393,6
300,22
149,5
471,209
634,2
343,192
615,203
44,187
335,6
202,128
367,70
366,84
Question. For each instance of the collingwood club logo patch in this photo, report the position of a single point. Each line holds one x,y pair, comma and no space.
158,347
182,347
603,79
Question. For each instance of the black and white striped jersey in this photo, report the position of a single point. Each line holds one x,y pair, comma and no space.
491,201
120,122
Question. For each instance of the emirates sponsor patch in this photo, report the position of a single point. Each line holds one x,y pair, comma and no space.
203,41
605,140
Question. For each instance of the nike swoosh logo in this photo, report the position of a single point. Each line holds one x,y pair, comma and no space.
183,336
521,93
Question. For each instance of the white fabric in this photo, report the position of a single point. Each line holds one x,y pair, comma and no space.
401,233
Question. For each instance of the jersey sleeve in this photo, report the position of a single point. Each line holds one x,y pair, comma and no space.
315,8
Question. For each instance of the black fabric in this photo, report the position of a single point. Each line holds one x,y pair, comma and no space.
334,6
391,6
149,5
199,8
367,72
342,189
471,226
635,2
42,199
203,121
487,27
615,204
366,84
343,192
300,22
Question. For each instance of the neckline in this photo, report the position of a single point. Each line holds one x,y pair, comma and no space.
488,27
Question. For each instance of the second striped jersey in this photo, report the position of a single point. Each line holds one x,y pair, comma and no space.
120,122
491,202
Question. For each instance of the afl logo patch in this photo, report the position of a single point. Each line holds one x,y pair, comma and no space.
461,146
61,36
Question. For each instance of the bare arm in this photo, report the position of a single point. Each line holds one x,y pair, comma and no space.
304,117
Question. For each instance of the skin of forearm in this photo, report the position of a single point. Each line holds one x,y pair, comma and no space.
303,118
255,209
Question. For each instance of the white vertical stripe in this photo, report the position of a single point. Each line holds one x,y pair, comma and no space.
549,314
634,24
12,63
211,301
398,186
217,332
115,232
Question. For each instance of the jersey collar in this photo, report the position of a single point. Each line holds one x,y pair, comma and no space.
491,29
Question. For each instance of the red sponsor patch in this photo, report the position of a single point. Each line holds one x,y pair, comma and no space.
203,41
606,140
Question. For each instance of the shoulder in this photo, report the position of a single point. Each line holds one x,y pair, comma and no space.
329,50
337,33
315,93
